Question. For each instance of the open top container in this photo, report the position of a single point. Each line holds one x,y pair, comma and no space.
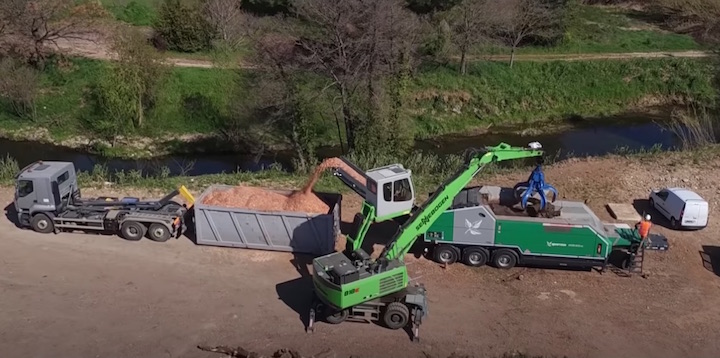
297,232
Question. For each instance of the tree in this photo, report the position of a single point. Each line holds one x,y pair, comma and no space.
469,24
356,44
129,89
19,86
183,27
516,20
31,25
228,19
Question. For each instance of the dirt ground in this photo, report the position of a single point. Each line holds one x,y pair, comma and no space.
78,295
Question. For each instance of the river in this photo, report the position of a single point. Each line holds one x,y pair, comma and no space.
589,137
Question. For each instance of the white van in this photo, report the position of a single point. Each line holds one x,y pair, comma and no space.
683,207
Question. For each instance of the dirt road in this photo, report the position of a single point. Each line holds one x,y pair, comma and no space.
76,295
98,49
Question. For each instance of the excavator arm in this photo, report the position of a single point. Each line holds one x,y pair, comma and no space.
442,198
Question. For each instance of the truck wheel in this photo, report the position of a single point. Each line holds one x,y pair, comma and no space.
396,315
445,254
336,317
158,232
504,259
42,223
132,230
475,256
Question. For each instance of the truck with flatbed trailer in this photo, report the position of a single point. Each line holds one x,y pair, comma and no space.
47,199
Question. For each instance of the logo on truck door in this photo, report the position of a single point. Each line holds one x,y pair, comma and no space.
472,228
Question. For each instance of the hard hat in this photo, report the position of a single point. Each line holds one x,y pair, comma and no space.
647,217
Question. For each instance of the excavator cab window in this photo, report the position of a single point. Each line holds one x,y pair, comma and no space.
402,192
387,192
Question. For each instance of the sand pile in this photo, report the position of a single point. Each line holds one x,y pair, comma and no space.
259,199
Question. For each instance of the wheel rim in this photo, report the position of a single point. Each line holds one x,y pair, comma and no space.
42,224
132,231
445,256
503,261
396,318
475,258
159,232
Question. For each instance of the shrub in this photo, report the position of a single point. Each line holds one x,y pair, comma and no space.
183,27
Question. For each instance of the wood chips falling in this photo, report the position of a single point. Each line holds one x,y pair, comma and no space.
254,198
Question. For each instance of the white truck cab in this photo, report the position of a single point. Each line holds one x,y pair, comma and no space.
683,207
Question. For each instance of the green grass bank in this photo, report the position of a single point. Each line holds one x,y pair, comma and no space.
429,171
441,101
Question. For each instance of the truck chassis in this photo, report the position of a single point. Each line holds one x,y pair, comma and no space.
132,225
401,309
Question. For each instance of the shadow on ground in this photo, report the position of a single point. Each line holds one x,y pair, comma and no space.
710,256
11,214
642,206
297,293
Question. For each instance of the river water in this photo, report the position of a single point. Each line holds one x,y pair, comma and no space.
589,137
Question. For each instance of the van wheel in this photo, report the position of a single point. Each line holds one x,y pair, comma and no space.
445,254
652,203
132,230
475,256
674,224
42,223
504,259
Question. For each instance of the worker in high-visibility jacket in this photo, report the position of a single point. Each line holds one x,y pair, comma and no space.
643,227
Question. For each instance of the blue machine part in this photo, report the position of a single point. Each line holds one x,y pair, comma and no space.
535,184
130,200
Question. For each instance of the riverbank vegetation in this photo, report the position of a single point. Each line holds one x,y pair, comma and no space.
369,78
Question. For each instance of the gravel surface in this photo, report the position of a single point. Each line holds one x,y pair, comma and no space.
84,295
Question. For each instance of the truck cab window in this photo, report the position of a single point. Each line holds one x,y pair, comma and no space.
403,192
25,188
62,178
387,191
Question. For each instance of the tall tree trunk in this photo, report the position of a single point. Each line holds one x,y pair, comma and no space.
512,56
463,60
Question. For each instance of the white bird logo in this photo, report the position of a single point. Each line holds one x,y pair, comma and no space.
472,228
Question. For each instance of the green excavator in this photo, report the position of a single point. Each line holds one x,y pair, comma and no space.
352,285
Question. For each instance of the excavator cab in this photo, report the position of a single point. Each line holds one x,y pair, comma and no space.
388,189
391,191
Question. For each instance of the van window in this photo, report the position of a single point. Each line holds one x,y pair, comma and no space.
25,188
663,194
63,177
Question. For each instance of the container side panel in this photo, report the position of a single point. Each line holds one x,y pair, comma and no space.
225,228
547,239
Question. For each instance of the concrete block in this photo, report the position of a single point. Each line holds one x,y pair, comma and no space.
623,212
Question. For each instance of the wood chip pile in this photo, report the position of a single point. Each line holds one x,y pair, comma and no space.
260,199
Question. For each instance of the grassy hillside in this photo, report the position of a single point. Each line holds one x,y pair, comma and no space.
193,99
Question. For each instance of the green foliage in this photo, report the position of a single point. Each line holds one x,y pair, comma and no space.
19,87
183,27
591,29
129,89
134,12
492,93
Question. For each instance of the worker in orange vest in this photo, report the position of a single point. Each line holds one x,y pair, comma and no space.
643,227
